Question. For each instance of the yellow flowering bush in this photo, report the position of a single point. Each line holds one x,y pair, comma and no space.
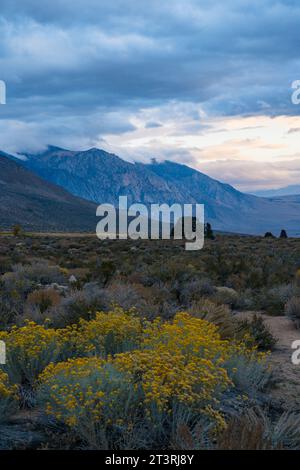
6,389
199,344
91,396
183,362
179,361
106,376
109,333
186,361
29,350
8,396
32,347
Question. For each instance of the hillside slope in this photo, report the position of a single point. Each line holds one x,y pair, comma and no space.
36,204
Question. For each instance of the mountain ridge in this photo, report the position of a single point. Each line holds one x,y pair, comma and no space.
99,176
291,190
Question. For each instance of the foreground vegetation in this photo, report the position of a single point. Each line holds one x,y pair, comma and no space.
122,345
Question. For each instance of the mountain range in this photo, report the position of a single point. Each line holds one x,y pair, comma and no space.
97,176
292,190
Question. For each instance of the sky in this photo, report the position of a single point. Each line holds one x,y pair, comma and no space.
204,83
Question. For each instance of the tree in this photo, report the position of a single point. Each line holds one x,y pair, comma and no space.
283,234
269,235
17,230
208,232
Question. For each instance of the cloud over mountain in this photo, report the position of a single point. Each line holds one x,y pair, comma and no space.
80,72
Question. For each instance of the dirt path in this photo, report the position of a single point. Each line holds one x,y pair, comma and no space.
288,389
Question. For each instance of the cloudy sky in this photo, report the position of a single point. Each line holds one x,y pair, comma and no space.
206,83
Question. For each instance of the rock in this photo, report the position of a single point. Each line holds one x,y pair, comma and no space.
57,287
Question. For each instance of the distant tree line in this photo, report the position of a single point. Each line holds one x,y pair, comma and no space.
283,234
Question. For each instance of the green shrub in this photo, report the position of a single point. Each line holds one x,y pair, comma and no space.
253,430
258,330
292,310
220,315
226,295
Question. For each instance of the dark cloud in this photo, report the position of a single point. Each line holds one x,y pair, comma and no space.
87,66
